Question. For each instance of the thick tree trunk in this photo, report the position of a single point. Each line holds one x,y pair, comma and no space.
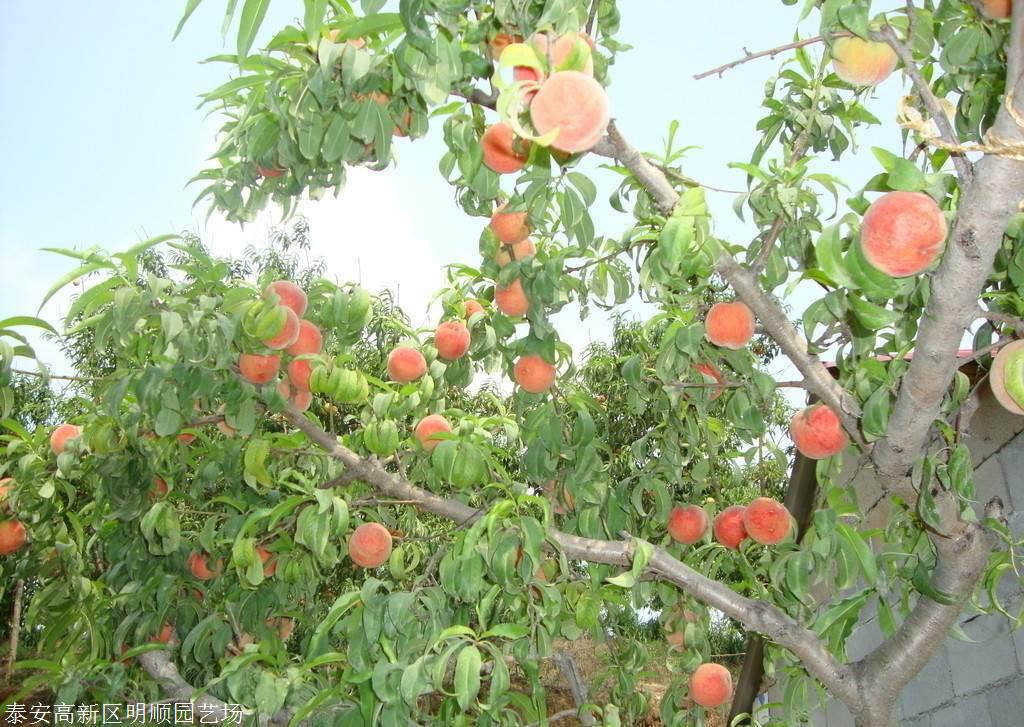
884,718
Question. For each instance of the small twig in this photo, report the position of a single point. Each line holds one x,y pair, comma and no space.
15,628
995,316
771,53
375,502
592,18
693,182
605,258
982,352
565,713
796,384
345,478
577,685
64,377
768,245
480,98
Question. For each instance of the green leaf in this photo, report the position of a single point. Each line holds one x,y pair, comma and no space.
871,316
313,18
190,7
829,254
253,13
854,18
923,583
271,692
875,420
27,321
70,276
467,676
860,547
905,176
374,24
167,422
506,631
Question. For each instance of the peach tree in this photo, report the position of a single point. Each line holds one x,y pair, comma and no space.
244,458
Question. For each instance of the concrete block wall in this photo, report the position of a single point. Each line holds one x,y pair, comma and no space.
978,684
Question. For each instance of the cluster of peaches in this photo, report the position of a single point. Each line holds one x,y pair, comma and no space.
12,531
764,520
567,105
816,431
296,338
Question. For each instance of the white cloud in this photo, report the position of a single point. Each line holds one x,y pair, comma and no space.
364,235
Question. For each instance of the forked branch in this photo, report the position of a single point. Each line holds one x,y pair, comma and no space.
759,616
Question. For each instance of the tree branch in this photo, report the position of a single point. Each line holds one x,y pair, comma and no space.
160,666
986,207
931,102
884,672
765,306
1017,324
771,53
480,98
758,616
577,685
15,630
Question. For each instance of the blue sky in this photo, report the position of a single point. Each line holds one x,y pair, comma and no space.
101,133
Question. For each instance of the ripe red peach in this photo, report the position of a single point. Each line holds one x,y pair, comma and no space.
767,521
287,335
1006,379
687,524
501,41
298,398
299,372
575,105
427,427
12,536
997,9
503,151
452,340
729,325
165,635
290,295
709,370
817,432
472,307
563,49
309,340
711,685
258,368
370,545
199,566
729,528
863,62
269,172
509,227
159,488
534,374
511,299
519,251
269,562
406,364
61,434
676,640
903,233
